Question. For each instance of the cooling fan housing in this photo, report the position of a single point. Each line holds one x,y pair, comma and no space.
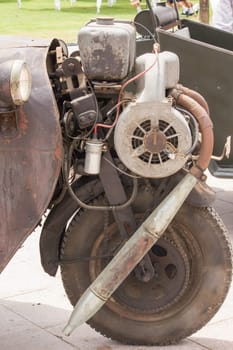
152,139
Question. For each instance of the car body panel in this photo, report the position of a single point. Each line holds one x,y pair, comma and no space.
30,150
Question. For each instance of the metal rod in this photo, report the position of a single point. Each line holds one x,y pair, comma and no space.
130,255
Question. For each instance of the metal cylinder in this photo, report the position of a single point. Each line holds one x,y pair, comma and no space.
195,95
206,129
93,156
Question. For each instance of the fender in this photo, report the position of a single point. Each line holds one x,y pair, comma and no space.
202,195
55,224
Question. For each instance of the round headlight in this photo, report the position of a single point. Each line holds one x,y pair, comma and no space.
20,82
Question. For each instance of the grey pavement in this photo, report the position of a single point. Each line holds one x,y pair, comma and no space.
34,308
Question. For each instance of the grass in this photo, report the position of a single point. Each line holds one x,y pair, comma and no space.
38,18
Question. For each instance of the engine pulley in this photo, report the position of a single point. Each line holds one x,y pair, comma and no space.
152,139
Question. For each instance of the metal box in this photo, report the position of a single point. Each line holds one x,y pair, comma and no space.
107,49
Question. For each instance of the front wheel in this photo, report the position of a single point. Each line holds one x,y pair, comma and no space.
192,274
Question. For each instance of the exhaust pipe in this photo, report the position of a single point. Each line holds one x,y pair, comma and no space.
206,129
195,96
130,255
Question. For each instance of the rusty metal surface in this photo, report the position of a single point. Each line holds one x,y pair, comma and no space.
55,223
128,261
9,41
113,42
206,129
30,159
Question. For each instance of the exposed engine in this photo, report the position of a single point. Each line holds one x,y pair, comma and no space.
152,138
109,99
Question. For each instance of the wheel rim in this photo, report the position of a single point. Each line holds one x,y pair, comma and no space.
141,301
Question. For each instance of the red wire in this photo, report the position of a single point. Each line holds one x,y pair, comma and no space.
139,75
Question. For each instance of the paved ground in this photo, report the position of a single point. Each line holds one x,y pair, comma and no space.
34,308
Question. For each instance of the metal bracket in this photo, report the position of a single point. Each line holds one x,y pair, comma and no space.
226,150
124,218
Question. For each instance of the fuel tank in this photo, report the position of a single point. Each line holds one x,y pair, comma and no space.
107,49
30,147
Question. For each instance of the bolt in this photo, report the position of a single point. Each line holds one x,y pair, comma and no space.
71,67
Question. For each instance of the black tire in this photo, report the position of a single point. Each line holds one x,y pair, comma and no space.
193,274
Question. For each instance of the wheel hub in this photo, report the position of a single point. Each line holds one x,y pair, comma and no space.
136,299
155,141
163,289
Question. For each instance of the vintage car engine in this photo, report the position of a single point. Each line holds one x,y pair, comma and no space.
114,90
151,138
